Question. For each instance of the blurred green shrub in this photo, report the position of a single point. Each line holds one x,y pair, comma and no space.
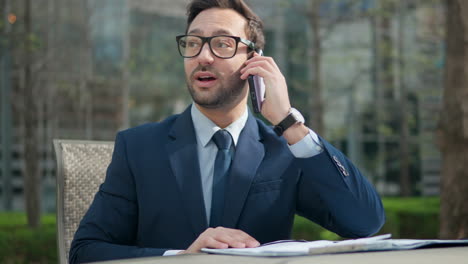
412,217
406,218
19,244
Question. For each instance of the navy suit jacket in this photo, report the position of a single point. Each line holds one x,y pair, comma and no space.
152,199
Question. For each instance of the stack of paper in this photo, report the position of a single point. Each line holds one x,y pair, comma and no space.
301,248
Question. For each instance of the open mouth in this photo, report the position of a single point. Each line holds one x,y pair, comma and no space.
206,79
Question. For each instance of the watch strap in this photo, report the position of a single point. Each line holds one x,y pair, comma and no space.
286,123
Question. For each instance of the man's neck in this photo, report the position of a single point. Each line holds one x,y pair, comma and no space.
223,117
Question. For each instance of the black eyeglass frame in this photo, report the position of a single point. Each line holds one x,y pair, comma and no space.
248,43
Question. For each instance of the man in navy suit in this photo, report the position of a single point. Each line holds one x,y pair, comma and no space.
169,190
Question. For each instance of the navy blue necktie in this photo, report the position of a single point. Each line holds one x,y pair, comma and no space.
223,141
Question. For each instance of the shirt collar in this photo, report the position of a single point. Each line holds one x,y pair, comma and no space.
205,128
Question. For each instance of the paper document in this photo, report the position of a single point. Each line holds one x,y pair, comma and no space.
290,248
389,244
302,248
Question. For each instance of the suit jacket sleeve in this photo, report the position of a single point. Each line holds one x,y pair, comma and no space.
333,193
108,229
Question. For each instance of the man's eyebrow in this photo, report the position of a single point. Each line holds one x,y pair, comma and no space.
195,31
217,32
222,32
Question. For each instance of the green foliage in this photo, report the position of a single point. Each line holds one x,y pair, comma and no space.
20,244
412,217
406,218
307,230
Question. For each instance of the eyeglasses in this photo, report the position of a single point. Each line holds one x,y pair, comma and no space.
224,47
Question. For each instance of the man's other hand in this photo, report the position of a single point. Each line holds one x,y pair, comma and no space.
221,237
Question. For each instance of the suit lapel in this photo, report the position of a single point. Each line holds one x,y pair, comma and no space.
182,152
249,154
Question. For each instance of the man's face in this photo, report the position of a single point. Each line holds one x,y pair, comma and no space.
214,82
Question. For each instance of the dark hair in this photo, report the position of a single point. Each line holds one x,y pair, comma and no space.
254,28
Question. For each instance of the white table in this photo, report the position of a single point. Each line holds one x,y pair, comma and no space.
450,255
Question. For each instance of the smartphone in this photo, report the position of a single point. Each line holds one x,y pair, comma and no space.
257,90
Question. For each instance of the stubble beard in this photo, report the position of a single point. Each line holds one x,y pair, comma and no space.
228,93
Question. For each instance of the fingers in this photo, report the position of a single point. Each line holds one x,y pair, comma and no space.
221,237
261,66
212,242
237,238
232,237
276,104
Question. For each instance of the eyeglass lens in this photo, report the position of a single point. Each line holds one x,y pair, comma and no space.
221,46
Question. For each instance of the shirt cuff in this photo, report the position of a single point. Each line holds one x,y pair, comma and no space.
307,147
171,252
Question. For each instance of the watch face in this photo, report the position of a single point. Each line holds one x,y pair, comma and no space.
297,115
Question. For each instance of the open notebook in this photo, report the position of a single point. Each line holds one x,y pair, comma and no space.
301,248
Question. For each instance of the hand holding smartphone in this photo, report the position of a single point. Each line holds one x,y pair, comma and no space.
257,90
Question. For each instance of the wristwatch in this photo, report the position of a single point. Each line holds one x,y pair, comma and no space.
292,118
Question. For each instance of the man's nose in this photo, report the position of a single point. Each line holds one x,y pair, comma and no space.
205,57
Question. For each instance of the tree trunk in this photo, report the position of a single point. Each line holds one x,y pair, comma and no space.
6,110
384,83
453,125
32,185
315,100
405,180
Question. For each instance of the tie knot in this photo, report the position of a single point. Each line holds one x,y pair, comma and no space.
222,139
